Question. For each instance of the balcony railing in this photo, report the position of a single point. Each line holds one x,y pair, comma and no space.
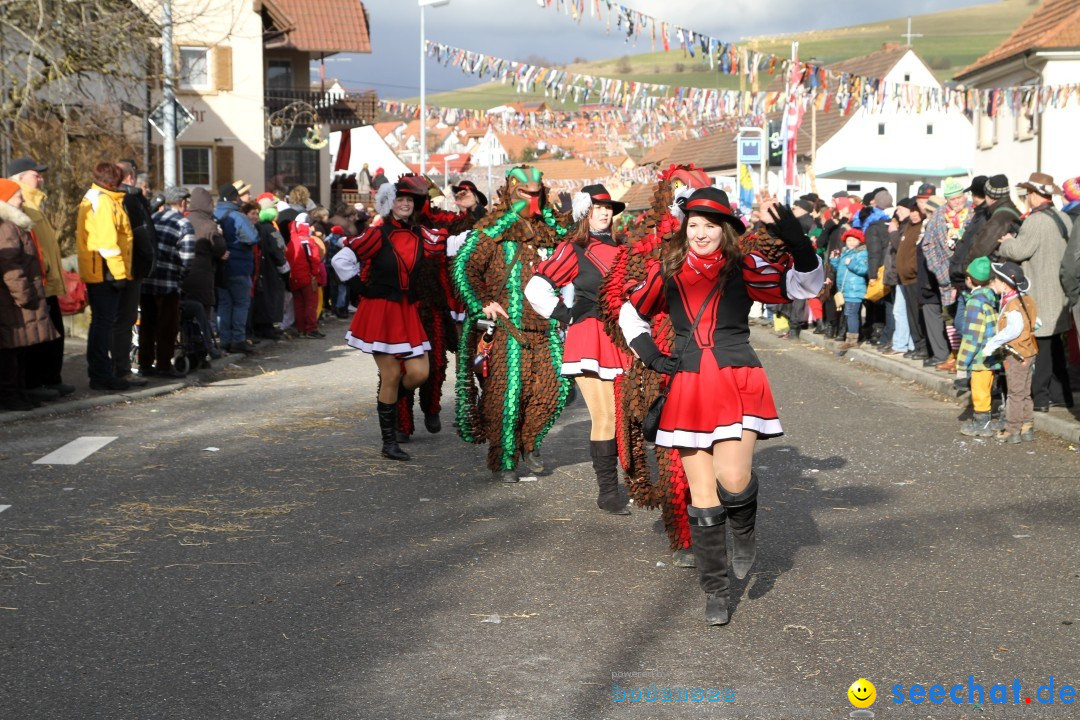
339,109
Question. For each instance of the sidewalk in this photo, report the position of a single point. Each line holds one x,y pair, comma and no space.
1061,422
74,373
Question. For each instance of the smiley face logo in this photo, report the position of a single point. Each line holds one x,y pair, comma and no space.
862,693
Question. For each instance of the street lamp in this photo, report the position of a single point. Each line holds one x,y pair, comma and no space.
424,4
446,166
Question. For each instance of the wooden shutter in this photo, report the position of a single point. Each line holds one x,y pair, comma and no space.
223,165
223,68
158,173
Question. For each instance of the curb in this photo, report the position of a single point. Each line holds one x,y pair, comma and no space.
1056,422
105,400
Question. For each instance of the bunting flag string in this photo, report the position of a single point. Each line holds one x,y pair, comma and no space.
728,58
845,92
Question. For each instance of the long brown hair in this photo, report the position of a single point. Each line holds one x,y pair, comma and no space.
675,250
580,234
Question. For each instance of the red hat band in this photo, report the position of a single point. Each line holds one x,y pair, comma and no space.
708,205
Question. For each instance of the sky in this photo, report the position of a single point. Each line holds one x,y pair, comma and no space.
516,29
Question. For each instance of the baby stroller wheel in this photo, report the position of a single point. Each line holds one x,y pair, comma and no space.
181,364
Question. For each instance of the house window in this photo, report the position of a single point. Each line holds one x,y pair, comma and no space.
881,129
1024,128
854,187
907,77
279,75
194,68
987,130
195,167
930,128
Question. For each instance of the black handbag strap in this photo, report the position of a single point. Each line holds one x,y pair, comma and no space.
693,327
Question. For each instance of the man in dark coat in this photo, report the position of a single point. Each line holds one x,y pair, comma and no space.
958,264
143,258
210,252
1002,218
875,227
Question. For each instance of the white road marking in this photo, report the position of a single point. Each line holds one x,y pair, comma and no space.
4,507
75,451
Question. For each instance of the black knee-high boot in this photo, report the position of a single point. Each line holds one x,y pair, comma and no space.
708,537
388,426
742,516
605,462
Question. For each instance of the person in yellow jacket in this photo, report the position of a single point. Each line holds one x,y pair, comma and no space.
103,241
44,361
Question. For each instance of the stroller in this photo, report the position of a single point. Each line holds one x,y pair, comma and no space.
192,345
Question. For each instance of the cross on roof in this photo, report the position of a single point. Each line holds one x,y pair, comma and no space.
909,35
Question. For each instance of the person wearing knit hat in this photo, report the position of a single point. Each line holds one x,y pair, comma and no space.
1070,190
24,312
852,268
980,314
952,187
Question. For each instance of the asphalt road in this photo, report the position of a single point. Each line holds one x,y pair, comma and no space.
293,573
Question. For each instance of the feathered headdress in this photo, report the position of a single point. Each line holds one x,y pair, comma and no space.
580,205
384,200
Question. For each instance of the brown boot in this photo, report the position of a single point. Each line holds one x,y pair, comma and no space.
949,366
851,342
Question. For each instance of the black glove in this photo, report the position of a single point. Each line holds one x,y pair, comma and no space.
787,228
655,360
561,313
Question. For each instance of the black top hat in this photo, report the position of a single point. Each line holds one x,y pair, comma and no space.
412,184
24,164
714,201
471,186
1011,273
601,196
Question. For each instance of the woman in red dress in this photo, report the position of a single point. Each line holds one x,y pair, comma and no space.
589,356
387,321
719,402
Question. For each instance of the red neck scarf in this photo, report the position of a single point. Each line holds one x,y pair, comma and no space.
705,266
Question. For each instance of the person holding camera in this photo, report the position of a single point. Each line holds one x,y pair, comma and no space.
718,399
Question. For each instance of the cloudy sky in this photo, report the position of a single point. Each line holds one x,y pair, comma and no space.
516,29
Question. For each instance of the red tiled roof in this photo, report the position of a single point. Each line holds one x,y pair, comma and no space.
1054,24
639,196
320,26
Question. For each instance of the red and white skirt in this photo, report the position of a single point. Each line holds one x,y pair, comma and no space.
716,404
388,326
588,349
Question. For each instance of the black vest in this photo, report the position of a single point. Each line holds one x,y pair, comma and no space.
723,326
394,277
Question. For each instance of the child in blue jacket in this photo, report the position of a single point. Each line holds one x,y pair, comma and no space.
851,270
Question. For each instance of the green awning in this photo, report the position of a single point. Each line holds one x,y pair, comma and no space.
891,174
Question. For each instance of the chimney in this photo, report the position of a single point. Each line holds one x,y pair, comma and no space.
890,46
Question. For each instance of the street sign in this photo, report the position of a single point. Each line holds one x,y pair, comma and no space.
184,118
750,150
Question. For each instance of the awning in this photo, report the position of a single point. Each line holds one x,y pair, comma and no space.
892,174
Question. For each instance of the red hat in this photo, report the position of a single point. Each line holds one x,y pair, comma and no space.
337,230
853,233
8,188
378,171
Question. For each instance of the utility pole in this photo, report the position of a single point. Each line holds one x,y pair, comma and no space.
168,169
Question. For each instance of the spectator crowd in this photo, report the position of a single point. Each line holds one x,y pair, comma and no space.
173,280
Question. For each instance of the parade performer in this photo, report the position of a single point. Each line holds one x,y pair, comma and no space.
440,308
387,321
718,400
589,356
520,357
636,389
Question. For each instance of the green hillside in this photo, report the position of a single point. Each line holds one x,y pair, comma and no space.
951,40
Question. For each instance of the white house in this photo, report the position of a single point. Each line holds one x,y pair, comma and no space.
243,66
856,153
1043,51
895,147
